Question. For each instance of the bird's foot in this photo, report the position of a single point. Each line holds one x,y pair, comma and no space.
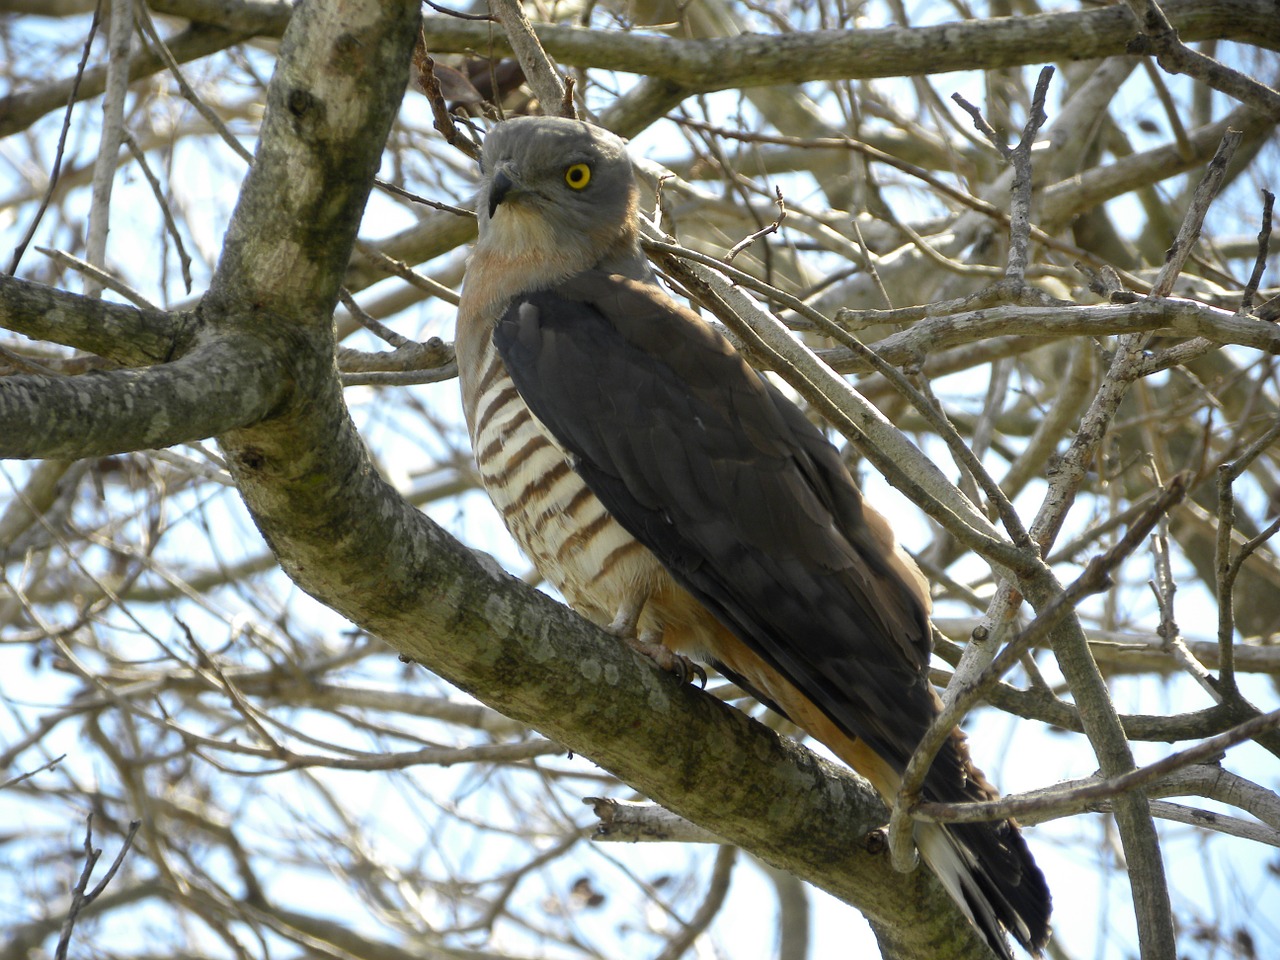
668,660
649,643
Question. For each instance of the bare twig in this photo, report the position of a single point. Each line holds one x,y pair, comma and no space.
120,33
1260,264
374,326
763,232
460,14
980,122
721,872
1020,200
98,276
408,378
1180,140
544,79
1096,576
1207,820
407,273
1073,797
943,188
631,822
1227,567
1164,587
567,106
442,119
47,765
794,911
869,263
81,895
1019,158
1160,38
147,29
62,143
394,190
170,225
1226,581
1189,232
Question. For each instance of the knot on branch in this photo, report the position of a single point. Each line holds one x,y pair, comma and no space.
1153,41
876,842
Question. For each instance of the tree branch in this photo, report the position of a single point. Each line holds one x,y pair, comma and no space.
217,387
701,66
127,335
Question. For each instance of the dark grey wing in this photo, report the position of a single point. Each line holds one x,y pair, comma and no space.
737,494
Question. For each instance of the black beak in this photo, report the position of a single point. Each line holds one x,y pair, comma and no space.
499,187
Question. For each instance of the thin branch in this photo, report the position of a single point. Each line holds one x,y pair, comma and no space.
763,232
1096,577
406,273
1260,264
1064,799
1208,820
1020,200
1227,567
147,29
717,891
980,123
81,895
1161,88
47,765
62,143
1189,232
425,75
543,78
120,54
374,326
627,821
101,278
170,225
945,189
1160,38
1165,587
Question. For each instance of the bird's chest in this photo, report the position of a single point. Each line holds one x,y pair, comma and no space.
558,522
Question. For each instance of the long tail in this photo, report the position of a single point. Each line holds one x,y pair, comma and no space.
986,867
989,872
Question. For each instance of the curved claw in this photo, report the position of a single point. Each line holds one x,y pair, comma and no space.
668,660
697,670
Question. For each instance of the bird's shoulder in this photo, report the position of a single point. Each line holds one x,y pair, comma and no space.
645,315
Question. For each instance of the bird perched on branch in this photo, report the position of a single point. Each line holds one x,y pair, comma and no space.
679,500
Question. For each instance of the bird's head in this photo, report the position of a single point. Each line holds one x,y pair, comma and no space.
557,188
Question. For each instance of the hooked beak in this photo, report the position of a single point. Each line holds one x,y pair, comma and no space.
499,187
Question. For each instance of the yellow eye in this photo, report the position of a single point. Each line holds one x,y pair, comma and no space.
577,176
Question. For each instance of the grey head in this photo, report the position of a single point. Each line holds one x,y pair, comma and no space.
560,190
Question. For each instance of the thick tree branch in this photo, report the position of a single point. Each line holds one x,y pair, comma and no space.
758,60
215,388
127,335
19,110
700,66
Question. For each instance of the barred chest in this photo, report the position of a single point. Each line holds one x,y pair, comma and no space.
558,522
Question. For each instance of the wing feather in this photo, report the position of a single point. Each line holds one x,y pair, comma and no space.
729,485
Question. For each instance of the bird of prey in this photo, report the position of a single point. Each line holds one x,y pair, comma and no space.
678,499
